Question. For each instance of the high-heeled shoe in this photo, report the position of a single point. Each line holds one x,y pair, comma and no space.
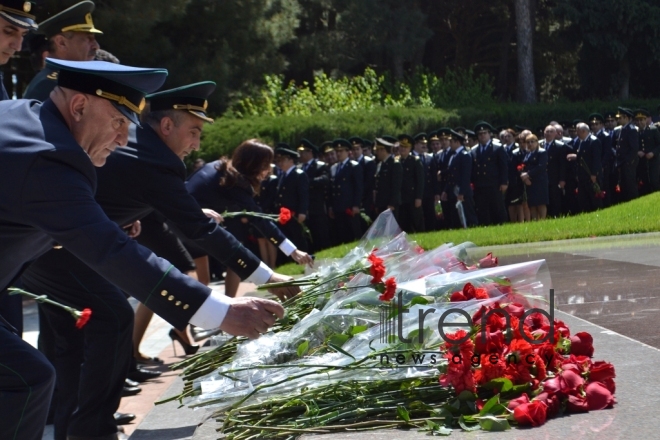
187,348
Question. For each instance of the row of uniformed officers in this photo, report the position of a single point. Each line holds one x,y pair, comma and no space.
496,176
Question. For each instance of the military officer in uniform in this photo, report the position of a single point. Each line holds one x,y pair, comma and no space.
368,165
347,186
610,121
72,37
47,158
318,175
490,177
458,187
587,156
648,170
293,194
329,155
411,217
387,190
128,189
430,179
557,163
626,142
596,123
441,165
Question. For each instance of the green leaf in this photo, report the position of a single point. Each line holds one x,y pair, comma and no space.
492,423
492,402
303,349
467,396
338,340
419,300
502,384
340,350
463,423
403,413
355,329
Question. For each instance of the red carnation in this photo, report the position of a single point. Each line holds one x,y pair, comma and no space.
349,212
285,216
377,269
520,167
390,290
83,317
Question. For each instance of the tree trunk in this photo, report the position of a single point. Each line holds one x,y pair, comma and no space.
524,31
624,91
503,76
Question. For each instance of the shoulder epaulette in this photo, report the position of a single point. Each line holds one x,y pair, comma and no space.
560,143
320,163
542,149
354,163
416,157
299,171
592,137
52,76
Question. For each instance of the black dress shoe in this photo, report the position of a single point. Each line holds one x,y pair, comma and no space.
130,391
131,383
141,374
123,418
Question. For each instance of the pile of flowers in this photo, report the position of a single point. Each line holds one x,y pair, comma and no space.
373,341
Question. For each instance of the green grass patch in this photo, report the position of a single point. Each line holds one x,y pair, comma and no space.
638,216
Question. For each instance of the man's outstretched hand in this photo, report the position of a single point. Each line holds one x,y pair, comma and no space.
251,317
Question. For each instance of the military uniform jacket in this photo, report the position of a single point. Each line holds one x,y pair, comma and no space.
490,167
266,197
318,175
556,161
388,183
649,140
293,192
459,174
441,164
607,153
589,151
3,91
204,186
626,143
412,180
347,186
48,185
41,85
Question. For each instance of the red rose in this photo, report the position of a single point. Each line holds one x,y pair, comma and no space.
285,216
488,261
390,290
515,403
601,371
570,381
469,291
530,414
552,403
494,341
349,212
609,384
457,296
577,404
598,396
582,344
481,293
515,309
84,317
520,167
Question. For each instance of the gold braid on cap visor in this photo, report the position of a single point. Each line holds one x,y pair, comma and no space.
18,12
122,100
190,107
87,27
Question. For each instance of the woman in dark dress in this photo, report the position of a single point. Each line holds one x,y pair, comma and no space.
514,193
535,177
230,186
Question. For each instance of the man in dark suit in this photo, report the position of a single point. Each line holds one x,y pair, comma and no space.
387,190
430,179
318,175
411,218
368,165
347,185
587,156
47,158
293,194
458,187
596,121
626,143
648,170
557,163
72,37
490,177
442,158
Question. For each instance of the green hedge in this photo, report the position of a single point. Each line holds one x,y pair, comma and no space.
227,133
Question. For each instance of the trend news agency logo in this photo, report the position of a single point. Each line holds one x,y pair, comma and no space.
392,317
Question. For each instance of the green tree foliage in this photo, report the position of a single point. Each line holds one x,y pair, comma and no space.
365,93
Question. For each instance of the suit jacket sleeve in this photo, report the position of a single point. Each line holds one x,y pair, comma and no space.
596,157
167,193
503,166
419,179
466,173
397,179
303,193
358,183
63,207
